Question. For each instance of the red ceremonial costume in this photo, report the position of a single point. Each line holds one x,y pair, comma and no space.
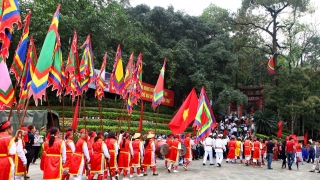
112,146
19,169
69,153
124,155
174,151
136,146
43,156
97,159
256,150
6,159
77,158
276,151
247,148
232,149
149,154
169,141
52,169
187,143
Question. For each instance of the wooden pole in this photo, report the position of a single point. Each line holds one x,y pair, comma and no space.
157,119
123,105
84,110
25,112
63,115
141,116
100,115
50,110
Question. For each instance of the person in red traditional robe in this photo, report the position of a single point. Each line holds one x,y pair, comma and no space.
275,151
55,157
175,154
135,162
188,156
70,148
112,145
7,151
169,141
247,150
264,151
149,159
232,150
20,157
80,157
43,156
92,135
99,157
125,155
298,152
257,146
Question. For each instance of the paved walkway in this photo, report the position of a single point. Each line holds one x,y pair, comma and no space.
228,171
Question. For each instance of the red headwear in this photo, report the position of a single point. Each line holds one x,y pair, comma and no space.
177,136
25,137
83,130
5,125
100,135
24,128
68,133
188,135
93,134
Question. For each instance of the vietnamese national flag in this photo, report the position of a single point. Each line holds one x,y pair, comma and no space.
306,139
280,129
185,115
75,116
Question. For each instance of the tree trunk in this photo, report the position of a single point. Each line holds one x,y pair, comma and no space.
274,49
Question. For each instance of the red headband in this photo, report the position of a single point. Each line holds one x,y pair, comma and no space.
24,128
68,133
5,125
83,131
93,134
100,135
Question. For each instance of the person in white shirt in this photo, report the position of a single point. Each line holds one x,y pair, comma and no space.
219,148
208,144
21,154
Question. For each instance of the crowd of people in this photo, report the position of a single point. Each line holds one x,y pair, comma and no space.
110,154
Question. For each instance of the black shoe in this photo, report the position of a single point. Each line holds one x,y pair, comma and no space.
311,171
270,168
145,174
219,164
169,170
204,164
155,174
211,164
318,171
290,168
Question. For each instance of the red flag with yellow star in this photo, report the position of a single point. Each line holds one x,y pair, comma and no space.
185,115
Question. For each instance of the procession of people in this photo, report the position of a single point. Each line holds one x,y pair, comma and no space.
104,155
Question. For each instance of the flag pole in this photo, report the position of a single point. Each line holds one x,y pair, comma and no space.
141,116
157,119
100,115
63,129
14,94
25,112
84,110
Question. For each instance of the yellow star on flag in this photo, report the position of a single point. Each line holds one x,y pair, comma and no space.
185,114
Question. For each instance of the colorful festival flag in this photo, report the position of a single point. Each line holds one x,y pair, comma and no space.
137,89
128,77
129,103
30,66
100,81
87,74
279,134
20,54
56,74
117,75
73,87
40,77
271,66
6,88
205,119
158,90
74,124
10,15
185,114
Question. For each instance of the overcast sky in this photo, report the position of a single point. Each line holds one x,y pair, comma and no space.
196,7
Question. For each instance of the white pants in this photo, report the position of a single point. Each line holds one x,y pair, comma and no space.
18,177
299,155
206,155
79,176
247,158
219,157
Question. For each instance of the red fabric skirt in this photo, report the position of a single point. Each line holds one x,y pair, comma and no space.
68,160
174,152
19,169
124,160
231,153
113,160
188,154
97,162
6,163
52,167
76,161
147,159
135,161
42,162
256,154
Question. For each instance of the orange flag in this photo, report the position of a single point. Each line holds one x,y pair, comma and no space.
185,115
280,129
74,124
